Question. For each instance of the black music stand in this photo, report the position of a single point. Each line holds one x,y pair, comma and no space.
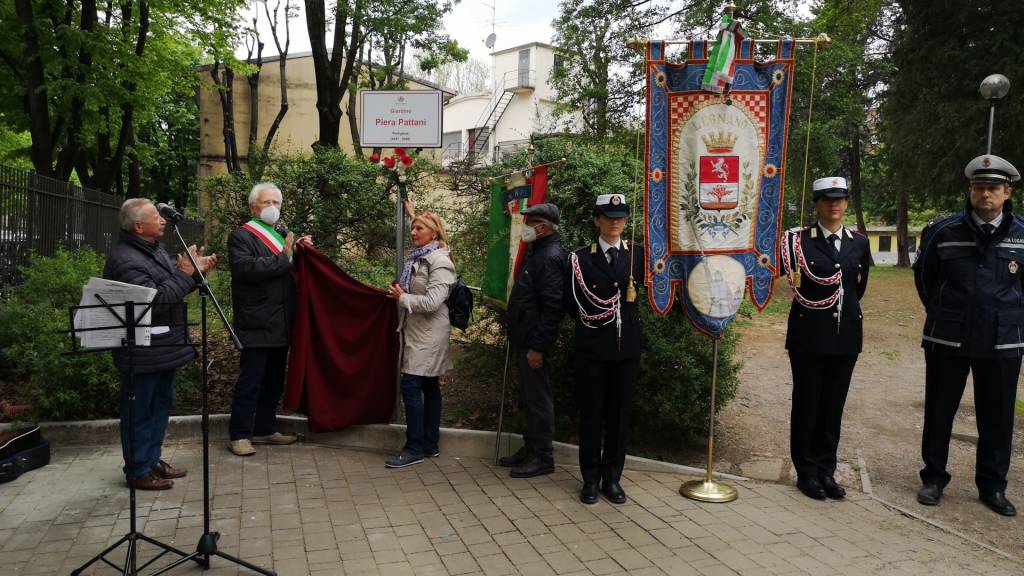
128,323
207,545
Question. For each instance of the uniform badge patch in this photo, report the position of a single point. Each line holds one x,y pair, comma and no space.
1012,266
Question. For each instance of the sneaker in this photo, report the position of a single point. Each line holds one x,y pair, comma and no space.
277,439
435,453
403,459
241,447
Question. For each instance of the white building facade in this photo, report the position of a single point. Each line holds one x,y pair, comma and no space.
521,103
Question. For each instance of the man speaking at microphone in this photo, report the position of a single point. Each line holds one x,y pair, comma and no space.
263,298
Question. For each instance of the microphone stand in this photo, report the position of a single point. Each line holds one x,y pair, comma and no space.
208,541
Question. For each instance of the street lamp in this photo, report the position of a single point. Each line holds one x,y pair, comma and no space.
993,88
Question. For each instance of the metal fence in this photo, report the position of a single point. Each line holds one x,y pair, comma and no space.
39,215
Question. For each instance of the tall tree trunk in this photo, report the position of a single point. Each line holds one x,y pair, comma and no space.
902,247
353,123
227,107
854,155
254,103
68,153
331,77
282,64
36,95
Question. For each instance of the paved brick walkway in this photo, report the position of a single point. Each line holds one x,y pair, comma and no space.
325,511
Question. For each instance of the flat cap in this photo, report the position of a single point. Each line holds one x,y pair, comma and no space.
991,168
545,211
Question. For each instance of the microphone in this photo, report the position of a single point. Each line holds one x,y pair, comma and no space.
169,213
281,229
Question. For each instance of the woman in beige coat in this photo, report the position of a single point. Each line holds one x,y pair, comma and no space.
422,294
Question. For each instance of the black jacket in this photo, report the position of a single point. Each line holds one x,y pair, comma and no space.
535,304
971,285
262,291
816,331
135,261
600,344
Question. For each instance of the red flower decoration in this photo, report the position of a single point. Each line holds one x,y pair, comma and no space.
389,162
407,161
375,157
400,152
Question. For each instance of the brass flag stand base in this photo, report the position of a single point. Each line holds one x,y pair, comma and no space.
708,490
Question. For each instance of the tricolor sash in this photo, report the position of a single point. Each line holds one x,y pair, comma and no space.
266,234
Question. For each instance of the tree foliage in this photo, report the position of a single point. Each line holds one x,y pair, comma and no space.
599,74
84,78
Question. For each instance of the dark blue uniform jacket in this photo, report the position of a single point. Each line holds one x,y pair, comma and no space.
971,284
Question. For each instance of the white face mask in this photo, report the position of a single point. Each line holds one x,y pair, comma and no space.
528,234
270,214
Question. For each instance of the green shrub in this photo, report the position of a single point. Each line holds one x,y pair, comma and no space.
33,347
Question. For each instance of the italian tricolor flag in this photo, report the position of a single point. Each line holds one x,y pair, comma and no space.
505,250
266,234
722,62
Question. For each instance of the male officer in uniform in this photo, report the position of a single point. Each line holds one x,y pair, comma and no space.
824,334
601,298
968,275
535,309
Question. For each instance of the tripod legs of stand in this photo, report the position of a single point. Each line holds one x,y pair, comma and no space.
208,547
130,567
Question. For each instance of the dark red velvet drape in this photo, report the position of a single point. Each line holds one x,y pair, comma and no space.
344,355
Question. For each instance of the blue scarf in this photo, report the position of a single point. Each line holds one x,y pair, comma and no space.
415,255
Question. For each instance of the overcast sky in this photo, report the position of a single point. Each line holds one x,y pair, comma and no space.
516,22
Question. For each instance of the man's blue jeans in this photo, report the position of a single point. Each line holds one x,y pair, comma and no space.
154,396
422,398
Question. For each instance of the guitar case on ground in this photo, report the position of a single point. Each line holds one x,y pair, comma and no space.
21,450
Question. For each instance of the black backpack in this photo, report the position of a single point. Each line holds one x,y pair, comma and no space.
460,304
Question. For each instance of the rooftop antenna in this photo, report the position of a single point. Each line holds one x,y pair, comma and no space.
492,37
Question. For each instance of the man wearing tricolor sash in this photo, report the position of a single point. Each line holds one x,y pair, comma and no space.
263,298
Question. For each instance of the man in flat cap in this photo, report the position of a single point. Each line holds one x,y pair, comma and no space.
824,333
535,310
601,297
969,278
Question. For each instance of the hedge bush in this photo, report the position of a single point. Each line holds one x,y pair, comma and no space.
33,347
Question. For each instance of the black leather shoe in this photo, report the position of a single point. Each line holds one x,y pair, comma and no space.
613,492
929,494
589,493
517,459
811,488
832,489
997,502
536,466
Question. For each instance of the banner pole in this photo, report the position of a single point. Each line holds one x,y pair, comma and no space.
708,490
399,265
501,404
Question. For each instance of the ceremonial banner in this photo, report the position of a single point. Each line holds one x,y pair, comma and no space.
505,249
714,181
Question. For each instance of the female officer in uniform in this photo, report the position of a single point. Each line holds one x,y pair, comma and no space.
601,298
827,265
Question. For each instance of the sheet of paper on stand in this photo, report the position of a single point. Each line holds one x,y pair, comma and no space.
101,328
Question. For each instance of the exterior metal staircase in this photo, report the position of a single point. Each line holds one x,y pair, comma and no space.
505,90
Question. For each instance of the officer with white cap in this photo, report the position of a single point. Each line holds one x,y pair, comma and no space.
602,299
827,265
969,278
